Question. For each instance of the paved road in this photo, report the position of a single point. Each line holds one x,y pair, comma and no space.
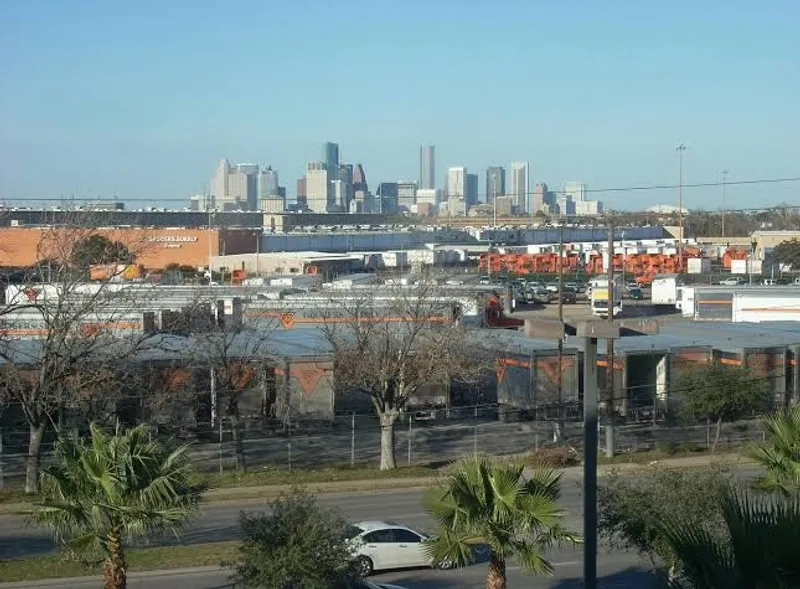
616,571
217,522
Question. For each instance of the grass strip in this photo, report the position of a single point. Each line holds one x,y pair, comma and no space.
36,568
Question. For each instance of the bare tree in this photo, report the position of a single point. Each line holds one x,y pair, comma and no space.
391,343
236,355
60,333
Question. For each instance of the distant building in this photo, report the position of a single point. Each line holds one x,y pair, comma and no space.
301,192
235,187
318,192
201,202
588,208
456,182
495,182
386,198
361,195
471,190
406,196
429,196
575,190
519,185
330,157
539,196
427,167
267,183
346,177
566,206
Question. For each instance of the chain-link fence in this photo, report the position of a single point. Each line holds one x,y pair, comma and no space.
354,440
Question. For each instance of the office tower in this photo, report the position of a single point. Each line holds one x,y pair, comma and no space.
346,177
427,167
386,197
520,185
301,192
456,182
566,206
429,196
219,184
318,192
539,196
406,196
495,182
267,183
330,157
575,190
361,194
471,190
235,187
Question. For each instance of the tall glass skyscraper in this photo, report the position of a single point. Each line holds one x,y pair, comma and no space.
495,182
330,155
427,167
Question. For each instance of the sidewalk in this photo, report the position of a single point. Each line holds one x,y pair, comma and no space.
260,493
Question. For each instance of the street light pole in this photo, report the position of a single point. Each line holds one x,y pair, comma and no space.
680,149
724,186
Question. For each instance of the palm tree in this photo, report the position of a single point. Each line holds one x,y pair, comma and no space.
780,453
759,549
485,502
109,488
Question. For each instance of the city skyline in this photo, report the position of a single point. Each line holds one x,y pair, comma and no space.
105,114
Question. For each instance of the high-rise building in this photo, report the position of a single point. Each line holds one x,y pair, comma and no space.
301,192
406,196
330,157
318,192
346,178
575,190
520,185
427,167
539,196
361,195
235,187
495,182
456,182
386,198
471,190
267,183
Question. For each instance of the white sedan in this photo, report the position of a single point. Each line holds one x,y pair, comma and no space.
382,545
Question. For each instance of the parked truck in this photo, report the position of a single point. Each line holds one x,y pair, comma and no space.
599,296
665,290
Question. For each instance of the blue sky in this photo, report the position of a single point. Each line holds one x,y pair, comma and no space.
141,99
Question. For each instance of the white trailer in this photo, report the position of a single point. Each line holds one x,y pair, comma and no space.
665,290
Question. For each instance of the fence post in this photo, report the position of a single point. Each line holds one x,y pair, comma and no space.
475,434
708,433
220,446
410,419
353,440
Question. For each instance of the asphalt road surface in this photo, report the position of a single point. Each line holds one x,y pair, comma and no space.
217,522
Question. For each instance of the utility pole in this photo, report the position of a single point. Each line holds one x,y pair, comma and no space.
724,186
561,418
680,149
610,345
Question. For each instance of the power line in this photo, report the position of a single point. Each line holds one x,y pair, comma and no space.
560,192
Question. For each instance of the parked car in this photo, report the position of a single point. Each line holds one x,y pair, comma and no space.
569,297
576,285
636,293
732,282
379,545
552,286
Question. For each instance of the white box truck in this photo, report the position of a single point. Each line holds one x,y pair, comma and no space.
665,290
599,299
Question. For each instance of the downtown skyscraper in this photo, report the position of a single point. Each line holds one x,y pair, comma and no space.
520,182
427,167
495,182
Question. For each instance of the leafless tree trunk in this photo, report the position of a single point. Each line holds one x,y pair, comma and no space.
390,343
